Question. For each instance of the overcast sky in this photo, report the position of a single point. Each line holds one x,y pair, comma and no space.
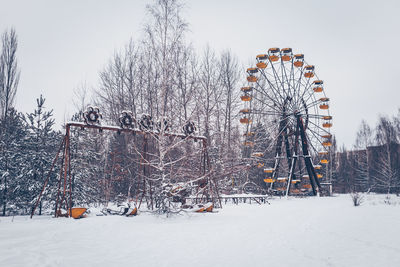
353,45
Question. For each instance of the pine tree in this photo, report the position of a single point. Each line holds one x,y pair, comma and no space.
13,161
41,144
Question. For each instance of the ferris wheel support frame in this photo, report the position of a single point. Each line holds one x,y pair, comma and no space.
293,159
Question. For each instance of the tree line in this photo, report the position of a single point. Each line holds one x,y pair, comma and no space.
373,164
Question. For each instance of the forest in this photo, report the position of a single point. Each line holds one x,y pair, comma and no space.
161,76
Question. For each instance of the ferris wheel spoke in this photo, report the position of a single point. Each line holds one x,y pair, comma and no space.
298,83
279,81
319,117
275,84
320,128
312,104
318,140
263,92
277,95
300,93
275,108
312,149
260,112
307,87
292,79
287,79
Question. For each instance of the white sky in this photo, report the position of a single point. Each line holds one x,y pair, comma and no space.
353,45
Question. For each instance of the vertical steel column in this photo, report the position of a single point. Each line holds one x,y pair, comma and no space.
294,157
307,158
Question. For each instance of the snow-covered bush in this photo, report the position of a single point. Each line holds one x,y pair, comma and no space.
357,199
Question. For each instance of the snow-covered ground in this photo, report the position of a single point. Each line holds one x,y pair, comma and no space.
288,232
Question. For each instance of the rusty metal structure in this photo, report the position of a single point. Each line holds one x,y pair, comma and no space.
145,128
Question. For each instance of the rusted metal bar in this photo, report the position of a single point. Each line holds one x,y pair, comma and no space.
135,131
66,159
47,178
69,170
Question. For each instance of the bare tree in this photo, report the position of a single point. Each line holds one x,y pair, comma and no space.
387,174
396,121
208,94
229,74
9,78
9,72
163,35
117,90
387,177
363,141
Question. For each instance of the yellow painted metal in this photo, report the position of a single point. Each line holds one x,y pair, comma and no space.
252,78
269,170
317,167
298,64
257,154
286,54
245,98
248,143
245,121
201,209
77,213
324,161
273,58
133,212
210,208
324,106
327,125
318,89
261,65
295,191
309,74
327,144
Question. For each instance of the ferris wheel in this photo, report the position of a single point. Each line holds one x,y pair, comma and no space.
286,115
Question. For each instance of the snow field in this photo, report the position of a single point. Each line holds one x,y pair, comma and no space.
289,232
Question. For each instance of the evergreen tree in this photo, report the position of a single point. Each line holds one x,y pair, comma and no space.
41,144
13,161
